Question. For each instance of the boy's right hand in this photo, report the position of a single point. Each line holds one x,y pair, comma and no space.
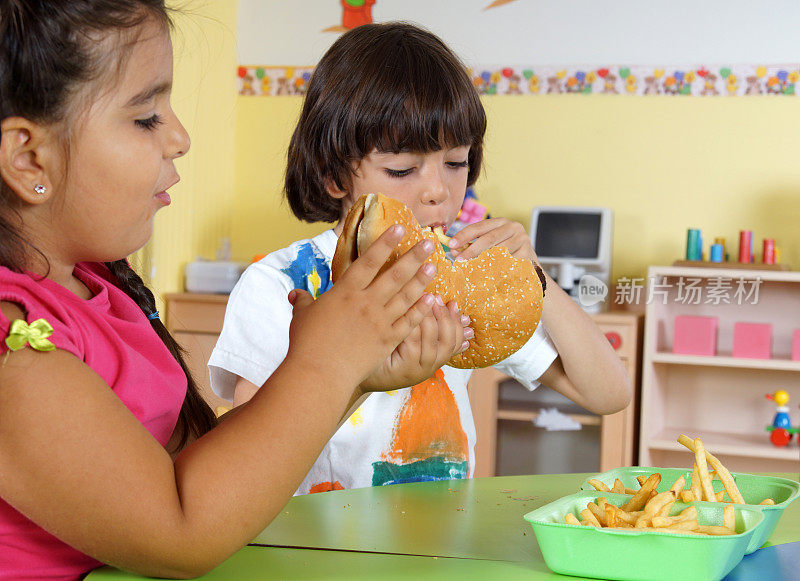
355,326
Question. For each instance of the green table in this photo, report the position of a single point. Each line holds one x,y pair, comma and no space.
465,529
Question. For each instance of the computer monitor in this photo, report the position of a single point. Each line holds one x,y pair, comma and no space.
573,241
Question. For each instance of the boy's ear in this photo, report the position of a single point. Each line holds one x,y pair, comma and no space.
333,190
24,153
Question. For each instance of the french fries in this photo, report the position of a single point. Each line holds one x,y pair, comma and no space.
715,530
658,503
441,236
700,488
702,470
697,489
724,475
616,517
599,485
589,517
677,486
686,515
598,512
654,516
728,516
643,495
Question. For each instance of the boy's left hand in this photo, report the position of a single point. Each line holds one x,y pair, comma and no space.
492,232
441,335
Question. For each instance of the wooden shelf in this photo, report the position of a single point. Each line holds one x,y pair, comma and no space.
618,432
724,444
724,361
731,265
528,415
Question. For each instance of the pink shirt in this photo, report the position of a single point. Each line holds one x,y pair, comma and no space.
111,334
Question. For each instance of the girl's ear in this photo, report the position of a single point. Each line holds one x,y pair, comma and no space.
333,190
24,152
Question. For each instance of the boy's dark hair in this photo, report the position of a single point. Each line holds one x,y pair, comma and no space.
48,49
394,87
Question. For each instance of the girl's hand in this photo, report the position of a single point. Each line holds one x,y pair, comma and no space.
492,232
351,329
441,335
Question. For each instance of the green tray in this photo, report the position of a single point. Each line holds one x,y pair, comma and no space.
754,489
639,555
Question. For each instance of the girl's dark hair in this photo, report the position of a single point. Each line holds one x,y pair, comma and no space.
394,87
196,418
48,50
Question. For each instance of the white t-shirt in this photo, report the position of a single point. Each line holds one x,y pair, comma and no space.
420,433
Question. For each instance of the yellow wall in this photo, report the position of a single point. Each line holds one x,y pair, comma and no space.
204,97
663,164
262,221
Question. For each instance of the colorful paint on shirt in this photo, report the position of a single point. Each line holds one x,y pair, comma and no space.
428,441
356,417
326,487
309,271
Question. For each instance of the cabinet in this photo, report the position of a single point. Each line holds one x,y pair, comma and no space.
721,398
617,432
195,320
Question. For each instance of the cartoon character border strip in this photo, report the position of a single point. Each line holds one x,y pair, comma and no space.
698,81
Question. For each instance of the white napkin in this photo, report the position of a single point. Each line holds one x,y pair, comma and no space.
553,420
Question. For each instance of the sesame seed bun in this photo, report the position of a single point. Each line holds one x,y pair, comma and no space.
502,295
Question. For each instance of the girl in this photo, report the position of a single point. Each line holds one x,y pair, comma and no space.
107,454
390,109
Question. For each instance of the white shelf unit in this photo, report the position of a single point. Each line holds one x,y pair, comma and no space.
721,398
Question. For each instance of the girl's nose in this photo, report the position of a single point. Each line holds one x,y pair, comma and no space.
178,141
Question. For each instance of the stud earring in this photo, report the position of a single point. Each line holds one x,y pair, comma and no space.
39,189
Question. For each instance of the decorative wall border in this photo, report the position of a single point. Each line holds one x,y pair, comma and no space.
698,81
269,81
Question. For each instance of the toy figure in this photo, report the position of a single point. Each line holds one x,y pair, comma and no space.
471,212
356,12
781,429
